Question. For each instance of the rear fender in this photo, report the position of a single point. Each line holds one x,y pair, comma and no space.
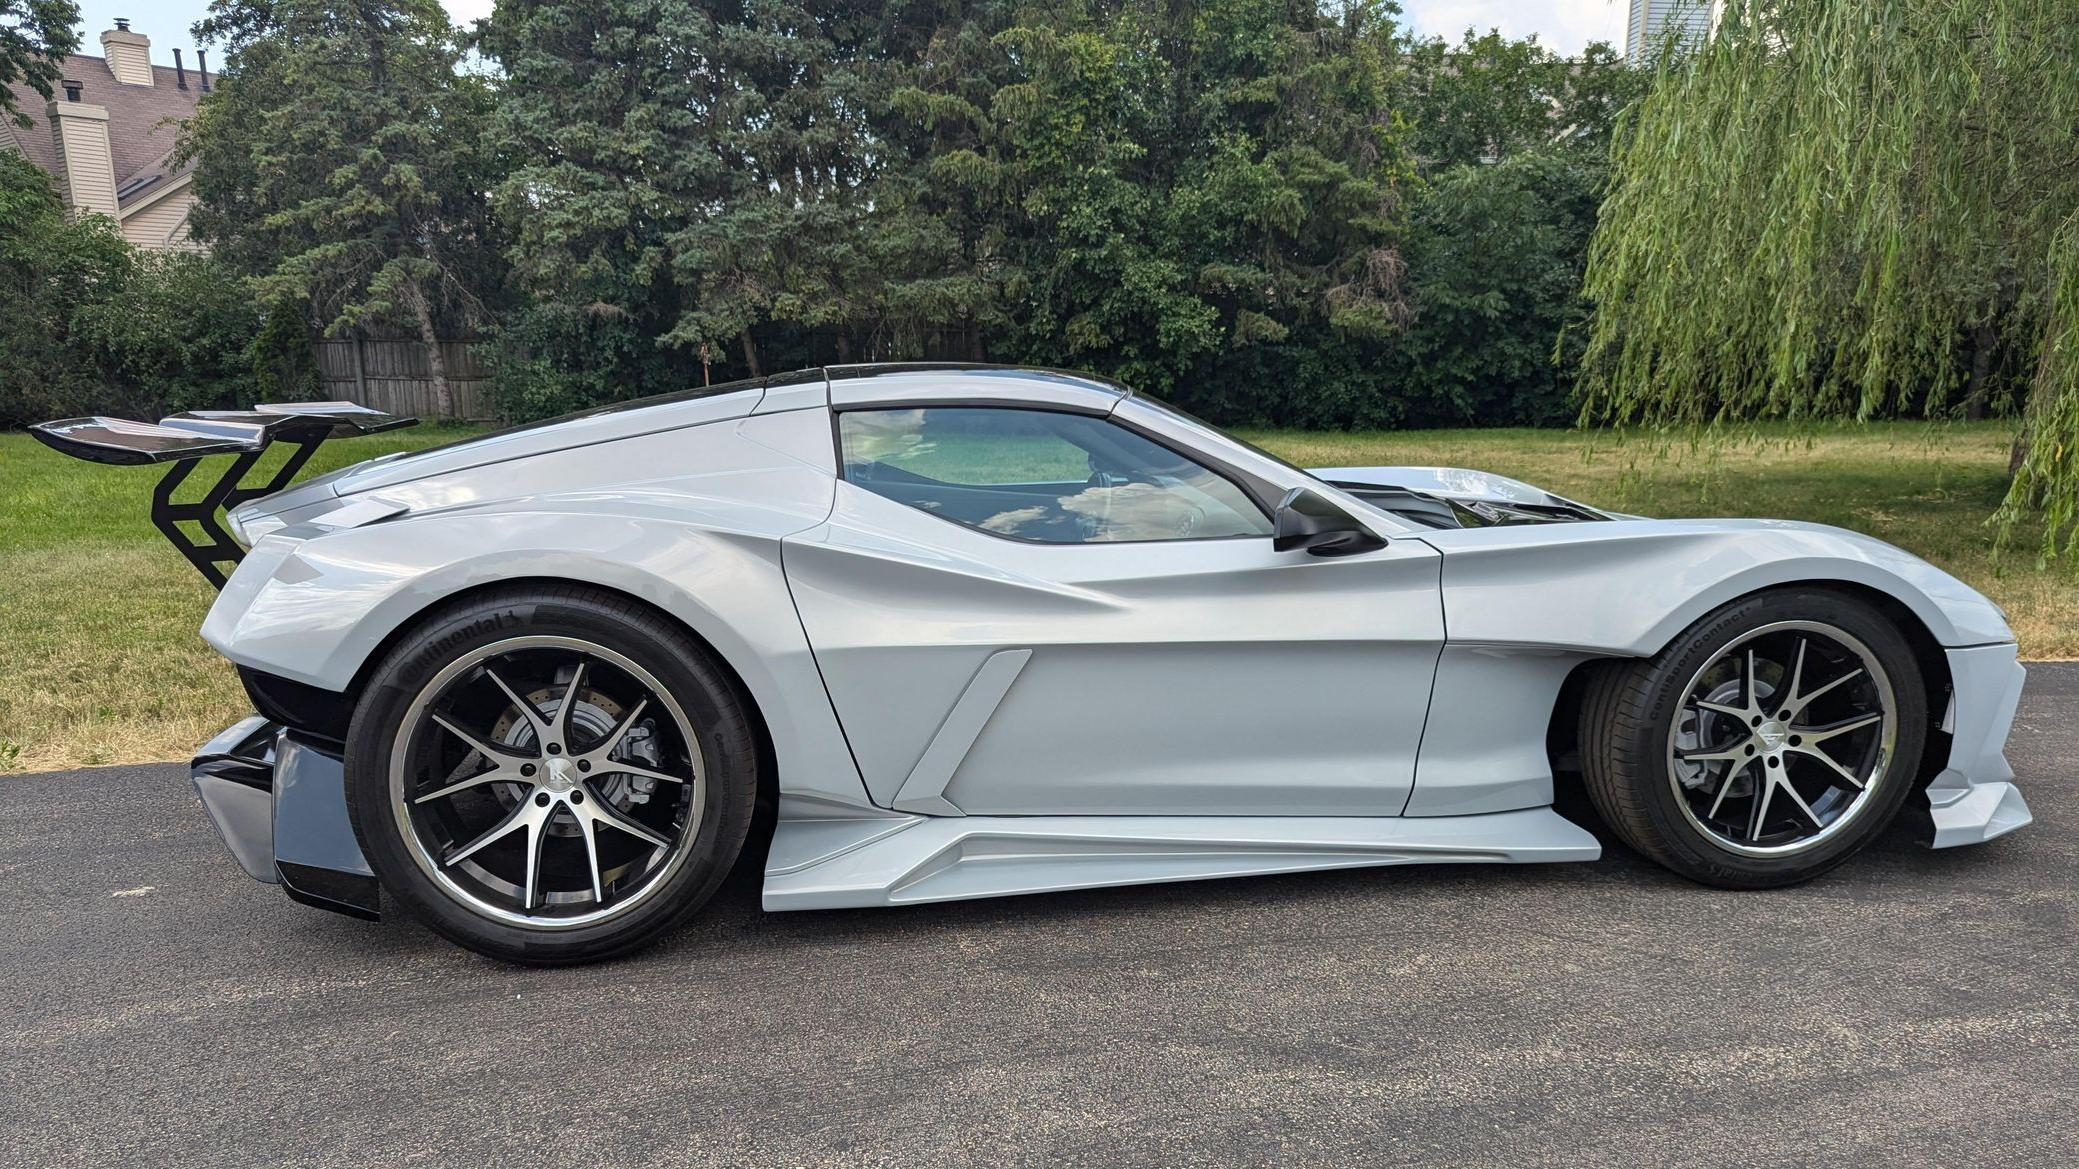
315,607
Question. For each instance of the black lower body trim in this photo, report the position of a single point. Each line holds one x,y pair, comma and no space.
310,710
278,798
353,894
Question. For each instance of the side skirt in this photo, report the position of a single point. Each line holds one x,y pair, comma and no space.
818,864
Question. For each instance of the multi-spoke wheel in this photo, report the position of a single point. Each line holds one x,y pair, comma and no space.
550,776
1767,744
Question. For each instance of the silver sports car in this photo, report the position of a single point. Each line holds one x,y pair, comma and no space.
913,633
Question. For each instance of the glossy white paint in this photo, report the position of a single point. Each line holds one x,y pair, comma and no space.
1974,799
691,524
1207,676
872,385
1626,587
931,858
1069,714
1450,482
1483,747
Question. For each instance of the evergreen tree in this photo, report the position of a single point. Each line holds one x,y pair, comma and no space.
340,165
1197,193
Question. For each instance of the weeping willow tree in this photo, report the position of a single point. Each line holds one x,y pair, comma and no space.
1853,209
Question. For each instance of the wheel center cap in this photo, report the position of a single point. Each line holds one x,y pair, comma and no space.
1772,734
562,776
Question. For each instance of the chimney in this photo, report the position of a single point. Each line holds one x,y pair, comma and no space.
180,72
129,54
202,68
86,168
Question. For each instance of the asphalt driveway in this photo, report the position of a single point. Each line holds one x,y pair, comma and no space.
158,1008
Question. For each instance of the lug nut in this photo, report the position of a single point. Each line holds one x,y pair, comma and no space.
1775,762
577,797
526,769
542,798
584,765
555,748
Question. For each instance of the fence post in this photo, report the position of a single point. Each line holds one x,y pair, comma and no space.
360,375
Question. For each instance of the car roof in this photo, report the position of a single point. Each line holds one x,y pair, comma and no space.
952,383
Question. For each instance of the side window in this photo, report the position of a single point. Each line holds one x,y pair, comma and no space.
1039,475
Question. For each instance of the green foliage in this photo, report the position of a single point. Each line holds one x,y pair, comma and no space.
552,359
1852,208
1495,259
35,37
49,265
89,324
1488,98
174,329
1184,184
284,367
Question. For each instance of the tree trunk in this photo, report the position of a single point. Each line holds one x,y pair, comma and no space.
751,353
436,361
1982,342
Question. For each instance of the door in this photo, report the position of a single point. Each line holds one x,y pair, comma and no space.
1025,610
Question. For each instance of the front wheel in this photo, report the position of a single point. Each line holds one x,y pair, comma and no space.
550,775
1768,743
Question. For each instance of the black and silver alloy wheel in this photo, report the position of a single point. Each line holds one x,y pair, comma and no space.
546,782
551,774
1783,739
1765,744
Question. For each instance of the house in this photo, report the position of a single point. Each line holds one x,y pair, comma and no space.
108,137
1654,24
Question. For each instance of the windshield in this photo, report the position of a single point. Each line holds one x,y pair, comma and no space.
1215,435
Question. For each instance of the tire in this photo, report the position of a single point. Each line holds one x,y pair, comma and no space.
485,824
1686,758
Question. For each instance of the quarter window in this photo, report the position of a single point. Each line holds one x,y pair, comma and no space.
1039,475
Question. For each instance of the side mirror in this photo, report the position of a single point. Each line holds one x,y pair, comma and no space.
1310,520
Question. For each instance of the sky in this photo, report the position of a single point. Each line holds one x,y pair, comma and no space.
1563,25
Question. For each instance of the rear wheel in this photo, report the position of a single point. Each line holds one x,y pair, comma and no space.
1768,743
554,775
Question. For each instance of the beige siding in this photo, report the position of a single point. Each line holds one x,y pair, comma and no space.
162,225
129,56
80,132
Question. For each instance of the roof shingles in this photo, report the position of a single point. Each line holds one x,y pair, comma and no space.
142,122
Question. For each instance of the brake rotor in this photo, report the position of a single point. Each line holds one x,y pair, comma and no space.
595,716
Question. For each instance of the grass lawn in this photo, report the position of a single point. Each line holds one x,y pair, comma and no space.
98,616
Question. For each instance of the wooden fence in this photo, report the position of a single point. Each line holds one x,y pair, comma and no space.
397,377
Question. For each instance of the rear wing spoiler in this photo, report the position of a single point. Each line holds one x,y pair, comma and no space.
186,438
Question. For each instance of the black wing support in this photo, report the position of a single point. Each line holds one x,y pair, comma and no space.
186,438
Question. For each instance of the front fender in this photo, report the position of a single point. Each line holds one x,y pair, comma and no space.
1627,587
314,606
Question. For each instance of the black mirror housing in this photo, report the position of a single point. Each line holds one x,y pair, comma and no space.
1310,520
